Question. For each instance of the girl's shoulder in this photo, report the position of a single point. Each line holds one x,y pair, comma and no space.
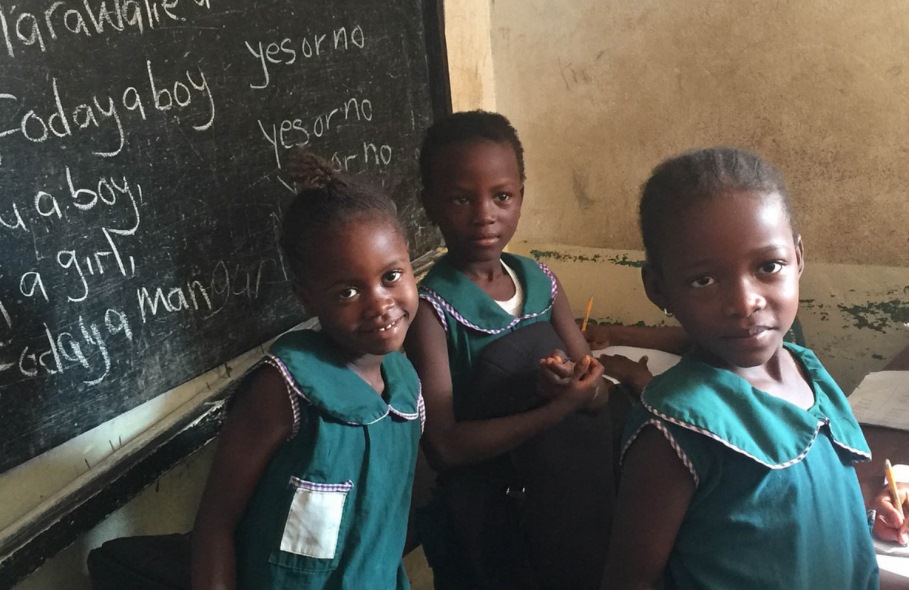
452,293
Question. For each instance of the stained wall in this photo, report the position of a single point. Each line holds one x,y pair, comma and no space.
602,90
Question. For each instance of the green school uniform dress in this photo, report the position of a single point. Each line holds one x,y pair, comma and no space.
330,511
513,522
776,502
472,319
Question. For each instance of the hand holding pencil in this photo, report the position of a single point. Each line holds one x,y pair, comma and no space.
597,335
890,523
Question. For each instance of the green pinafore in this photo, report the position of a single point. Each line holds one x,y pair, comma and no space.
330,511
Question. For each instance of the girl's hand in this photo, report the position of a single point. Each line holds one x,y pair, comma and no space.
555,370
597,336
571,385
634,374
888,524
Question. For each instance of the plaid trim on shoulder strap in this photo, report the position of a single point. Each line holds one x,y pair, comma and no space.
293,391
680,453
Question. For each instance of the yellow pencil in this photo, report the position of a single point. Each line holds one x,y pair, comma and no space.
891,483
587,313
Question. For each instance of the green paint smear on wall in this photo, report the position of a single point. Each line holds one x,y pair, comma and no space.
553,255
611,322
562,257
878,315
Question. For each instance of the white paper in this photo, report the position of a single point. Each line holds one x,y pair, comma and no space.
657,360
888,548
896,566
882,399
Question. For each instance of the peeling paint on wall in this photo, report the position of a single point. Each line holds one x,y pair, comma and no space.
622,260
553,255
877,315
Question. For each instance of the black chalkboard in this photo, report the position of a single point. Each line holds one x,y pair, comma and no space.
141,143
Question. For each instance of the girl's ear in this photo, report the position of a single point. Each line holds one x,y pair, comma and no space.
653,286
800,253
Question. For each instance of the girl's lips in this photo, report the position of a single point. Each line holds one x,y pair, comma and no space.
385,327
485,240
752,332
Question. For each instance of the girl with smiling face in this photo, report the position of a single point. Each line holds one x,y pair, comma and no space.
737,469
311,482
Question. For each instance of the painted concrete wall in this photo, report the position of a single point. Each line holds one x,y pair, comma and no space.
602,90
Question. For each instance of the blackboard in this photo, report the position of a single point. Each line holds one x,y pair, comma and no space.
141,146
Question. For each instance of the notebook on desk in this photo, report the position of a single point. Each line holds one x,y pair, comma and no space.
882,399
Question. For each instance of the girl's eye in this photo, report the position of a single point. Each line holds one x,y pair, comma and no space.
393,276
503,197
772,267
460,200
348,293
702,282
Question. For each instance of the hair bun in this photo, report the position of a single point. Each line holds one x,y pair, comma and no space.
308,171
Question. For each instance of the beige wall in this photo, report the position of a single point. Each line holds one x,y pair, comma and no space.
602,90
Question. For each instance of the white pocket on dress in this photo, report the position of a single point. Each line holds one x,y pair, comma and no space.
314,519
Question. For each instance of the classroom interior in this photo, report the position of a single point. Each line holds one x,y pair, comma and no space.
600,91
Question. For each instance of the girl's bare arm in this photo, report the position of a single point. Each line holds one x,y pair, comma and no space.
654,493
257,425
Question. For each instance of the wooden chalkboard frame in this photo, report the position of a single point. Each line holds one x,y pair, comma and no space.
47,532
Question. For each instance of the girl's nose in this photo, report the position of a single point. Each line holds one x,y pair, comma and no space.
482,212
380,301
743,299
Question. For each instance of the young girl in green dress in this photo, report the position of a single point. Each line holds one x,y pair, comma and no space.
496,522
311,482
737,469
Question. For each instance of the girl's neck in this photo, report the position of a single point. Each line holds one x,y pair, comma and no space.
484,271
769,371
369,369
491,277
782,376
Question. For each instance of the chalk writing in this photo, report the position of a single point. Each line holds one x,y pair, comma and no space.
297,131
39,29
84,346
287,51
101,117
142,153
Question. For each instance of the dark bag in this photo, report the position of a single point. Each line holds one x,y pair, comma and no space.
157,562
539,516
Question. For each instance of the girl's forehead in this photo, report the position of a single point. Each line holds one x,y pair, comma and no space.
468,149
726,225
480,159
362,239
366,224
744,207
